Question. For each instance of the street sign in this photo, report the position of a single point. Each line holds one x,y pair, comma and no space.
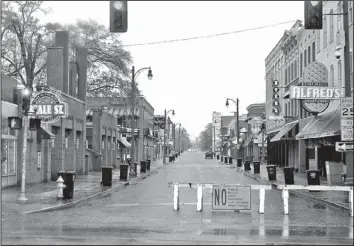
346,121
231,197
344,146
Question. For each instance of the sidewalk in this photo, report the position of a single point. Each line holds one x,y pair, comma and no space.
42,197
338,199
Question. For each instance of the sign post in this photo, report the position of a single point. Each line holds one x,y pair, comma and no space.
346,121
344,146
231,197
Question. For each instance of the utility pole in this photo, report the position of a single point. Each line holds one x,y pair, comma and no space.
132,169
143,132
179,139
349,154
164,139
174,136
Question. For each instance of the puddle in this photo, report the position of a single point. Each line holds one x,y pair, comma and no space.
342,232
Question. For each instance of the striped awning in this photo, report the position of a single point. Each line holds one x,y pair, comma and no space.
248,140
284,130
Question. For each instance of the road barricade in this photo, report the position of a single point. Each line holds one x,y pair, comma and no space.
200,187
285,193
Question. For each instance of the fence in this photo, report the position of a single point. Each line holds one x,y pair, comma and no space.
262,188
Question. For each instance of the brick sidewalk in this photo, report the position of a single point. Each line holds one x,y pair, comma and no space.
43,196
336,198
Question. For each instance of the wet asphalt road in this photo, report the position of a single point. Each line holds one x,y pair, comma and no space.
143,214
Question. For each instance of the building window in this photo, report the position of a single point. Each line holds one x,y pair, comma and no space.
351,61
313,52
300,65
339,73
350,11
305,58
296,69
286,76
318,40
325,31
331,74
339,17
8,157
309,53
331,23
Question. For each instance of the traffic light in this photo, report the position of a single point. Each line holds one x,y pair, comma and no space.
313,14
276,103
26,99
34,124
15,123
118,16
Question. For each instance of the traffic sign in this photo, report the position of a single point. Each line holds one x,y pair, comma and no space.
231,197
15,123
344,146
346,119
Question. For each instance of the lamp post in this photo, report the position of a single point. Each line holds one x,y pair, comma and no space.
134,76
164,133
237,127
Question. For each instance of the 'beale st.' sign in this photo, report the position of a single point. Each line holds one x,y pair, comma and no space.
48,105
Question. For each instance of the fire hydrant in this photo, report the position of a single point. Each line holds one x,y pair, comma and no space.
60,187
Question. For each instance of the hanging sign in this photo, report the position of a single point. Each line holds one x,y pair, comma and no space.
48,105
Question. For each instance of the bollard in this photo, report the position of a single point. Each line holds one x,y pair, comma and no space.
286,227
199,198
175,197
351,201
60,187
285,195
261,199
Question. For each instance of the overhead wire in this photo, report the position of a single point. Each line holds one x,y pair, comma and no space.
206,36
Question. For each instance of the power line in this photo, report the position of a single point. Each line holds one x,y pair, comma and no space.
206,36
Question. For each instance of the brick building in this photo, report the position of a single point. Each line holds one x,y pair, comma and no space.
57,146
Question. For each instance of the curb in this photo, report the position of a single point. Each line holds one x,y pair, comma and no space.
298,193
102,193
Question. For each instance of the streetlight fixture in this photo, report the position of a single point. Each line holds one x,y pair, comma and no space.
164,133
134,76
237,127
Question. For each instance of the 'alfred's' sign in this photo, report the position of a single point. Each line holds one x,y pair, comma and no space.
48,105
311,92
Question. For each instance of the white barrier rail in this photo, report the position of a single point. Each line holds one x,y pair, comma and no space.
200,187
285,193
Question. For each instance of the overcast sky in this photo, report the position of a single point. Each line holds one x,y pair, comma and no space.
195,77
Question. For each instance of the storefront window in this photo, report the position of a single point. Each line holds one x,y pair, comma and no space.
8,157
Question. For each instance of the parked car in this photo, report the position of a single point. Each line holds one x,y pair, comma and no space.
209,154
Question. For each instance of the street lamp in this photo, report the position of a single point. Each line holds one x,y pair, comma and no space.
134,76
237,127
164,133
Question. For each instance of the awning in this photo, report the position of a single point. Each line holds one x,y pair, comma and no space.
324,125
124,142
284,130
43,133
248,140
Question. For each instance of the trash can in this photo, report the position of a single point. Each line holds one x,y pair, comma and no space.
247,165
69,179
225,160
148,163
313,177
239,162
123,171
272,172
230,160
142,166
107,176
256,167
289,175
217,157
